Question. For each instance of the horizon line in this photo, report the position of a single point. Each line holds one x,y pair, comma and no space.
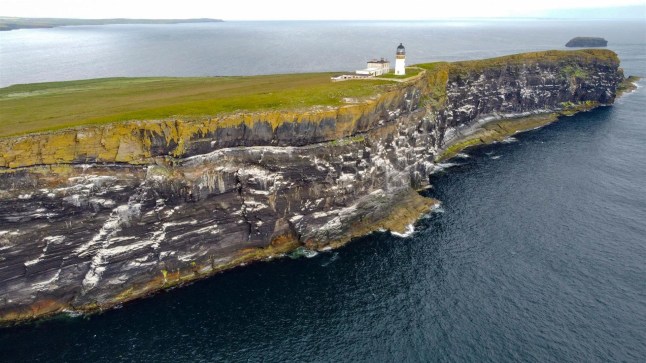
332,19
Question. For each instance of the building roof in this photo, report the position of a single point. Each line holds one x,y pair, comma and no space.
379,61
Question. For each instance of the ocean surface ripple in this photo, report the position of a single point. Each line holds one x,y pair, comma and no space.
537,254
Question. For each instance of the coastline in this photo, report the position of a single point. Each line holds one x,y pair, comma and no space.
274,189
15,23
492,130
398,219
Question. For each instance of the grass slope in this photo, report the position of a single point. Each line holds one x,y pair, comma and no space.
50,106
410,72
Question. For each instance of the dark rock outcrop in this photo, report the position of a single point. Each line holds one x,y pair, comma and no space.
529,85
96,227
586,42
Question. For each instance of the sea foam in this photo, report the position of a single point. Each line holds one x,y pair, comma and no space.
410,229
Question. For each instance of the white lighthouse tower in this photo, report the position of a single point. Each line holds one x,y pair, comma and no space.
400,62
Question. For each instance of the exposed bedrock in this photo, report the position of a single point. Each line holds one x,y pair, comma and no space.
526,84
95,216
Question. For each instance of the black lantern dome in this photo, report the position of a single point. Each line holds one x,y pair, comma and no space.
401,50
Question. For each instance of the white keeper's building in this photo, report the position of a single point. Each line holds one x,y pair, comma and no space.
375,68
378,67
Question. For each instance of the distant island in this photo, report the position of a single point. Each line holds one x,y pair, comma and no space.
10,23
586,42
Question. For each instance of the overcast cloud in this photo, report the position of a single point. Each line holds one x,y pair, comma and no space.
296,9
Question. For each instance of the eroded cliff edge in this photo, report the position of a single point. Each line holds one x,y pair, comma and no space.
91,217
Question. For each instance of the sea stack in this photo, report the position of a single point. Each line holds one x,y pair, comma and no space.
586,42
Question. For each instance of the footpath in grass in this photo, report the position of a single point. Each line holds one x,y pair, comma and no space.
410,72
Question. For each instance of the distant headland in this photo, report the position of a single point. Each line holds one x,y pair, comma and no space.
11,23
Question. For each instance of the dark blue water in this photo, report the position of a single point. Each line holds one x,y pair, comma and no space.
538,254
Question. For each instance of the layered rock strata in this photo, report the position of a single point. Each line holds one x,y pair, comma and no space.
91,217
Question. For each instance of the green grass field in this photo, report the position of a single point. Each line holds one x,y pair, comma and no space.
50,106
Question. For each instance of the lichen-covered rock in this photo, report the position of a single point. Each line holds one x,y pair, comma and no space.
95,216
139,142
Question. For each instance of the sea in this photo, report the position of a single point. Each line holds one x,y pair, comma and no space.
537,253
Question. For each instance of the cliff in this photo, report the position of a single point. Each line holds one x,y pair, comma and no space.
94,216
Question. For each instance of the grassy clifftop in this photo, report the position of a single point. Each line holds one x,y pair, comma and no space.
50,106
41,107
550,56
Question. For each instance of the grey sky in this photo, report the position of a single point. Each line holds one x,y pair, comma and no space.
300,9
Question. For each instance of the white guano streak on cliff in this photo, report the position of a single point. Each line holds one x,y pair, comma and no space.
102,240
47,240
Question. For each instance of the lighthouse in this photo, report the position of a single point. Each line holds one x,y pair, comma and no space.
400,62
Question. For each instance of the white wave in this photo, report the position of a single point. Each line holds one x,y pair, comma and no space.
302,252
410,229
72,313
495,157
335,256
620,100
532,129
509,140
437,208
271,257
442,166
462,155
637,86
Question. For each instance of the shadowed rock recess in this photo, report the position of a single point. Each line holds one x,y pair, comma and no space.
94,216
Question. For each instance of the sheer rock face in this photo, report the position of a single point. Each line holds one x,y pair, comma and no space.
105,225
524,89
